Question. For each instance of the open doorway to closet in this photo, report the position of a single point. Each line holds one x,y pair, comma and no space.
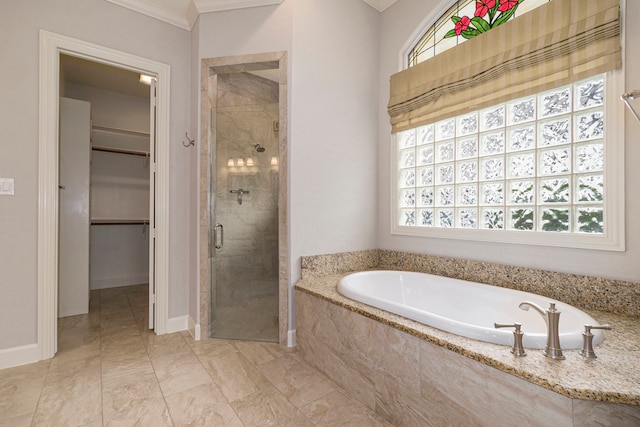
52,48
106,197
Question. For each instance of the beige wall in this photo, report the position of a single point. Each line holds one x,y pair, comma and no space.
103,23
400,24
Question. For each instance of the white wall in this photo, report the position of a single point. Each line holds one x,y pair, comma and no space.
105,24
333,127
399,25
333,130
333,55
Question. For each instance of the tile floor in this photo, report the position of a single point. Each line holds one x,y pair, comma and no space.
111,371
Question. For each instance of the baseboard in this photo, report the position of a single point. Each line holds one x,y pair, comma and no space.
115,282
16,356
194,329
291,338
177,324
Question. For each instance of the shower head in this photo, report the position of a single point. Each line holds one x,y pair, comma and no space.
259,148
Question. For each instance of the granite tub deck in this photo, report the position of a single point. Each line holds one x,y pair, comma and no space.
613,377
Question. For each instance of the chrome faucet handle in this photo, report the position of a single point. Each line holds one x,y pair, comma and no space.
587,340
517,349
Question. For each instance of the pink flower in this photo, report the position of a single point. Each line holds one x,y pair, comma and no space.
507,5
462,24
483,6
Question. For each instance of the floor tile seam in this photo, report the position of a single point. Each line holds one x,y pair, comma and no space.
213,381
154,375
230,404
275,386
215,384
44,380
24,414
101,370
347,395
162,393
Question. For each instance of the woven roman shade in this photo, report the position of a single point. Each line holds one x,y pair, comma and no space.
559,42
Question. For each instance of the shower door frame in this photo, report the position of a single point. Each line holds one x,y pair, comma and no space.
208,94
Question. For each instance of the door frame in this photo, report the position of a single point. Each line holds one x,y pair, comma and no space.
52,45
208,95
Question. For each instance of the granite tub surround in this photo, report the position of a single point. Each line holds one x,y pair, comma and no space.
587,292
413,380
417,375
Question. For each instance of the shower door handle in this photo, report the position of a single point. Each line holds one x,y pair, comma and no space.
215,236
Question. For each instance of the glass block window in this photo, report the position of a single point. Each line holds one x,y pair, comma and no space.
460,23
534,164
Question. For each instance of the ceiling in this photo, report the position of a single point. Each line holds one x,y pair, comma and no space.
183,13
105,77
87,73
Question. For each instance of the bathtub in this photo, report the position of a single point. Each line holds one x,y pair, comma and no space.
464,308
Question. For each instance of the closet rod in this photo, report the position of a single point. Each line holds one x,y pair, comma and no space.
121,151
133,222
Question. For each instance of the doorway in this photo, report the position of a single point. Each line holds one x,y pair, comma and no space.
106,161
244,291
245,185
52,46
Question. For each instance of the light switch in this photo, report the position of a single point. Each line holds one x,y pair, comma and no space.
6,187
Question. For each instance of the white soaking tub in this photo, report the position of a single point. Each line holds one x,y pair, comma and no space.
464,308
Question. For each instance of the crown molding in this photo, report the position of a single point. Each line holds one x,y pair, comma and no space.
186,19
380,5
192,14
204,6
155,11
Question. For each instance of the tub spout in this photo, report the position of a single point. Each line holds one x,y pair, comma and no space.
551,317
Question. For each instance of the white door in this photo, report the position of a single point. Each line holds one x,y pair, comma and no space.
74,196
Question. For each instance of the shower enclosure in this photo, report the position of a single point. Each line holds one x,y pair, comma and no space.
244,194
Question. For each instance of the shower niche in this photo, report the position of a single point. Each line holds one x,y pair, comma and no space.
244,203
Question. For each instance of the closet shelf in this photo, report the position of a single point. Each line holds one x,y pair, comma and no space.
110,221
120,151
119,131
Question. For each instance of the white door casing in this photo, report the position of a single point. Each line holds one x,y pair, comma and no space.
152,206
51,46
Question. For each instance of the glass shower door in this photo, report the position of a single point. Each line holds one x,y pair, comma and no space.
245,209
